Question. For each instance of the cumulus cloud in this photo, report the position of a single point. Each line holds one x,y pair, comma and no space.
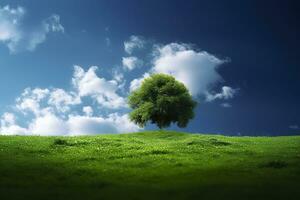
30,99
102,90
134,42
114,123
196,69
17,36
53,99
226,93
9,126
130,63
96,104
55,111
62,100
51,124
48,124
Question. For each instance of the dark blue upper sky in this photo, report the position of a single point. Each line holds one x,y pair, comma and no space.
258,37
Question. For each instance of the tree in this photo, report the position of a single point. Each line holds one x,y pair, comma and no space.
162,100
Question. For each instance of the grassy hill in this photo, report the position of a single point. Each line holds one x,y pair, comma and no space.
149,165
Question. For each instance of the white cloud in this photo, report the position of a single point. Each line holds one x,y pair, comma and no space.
13,130
103,91
136,83
30,100
196,69
40,101
114,123
123,124
130,63
10,19
18,37
55,111
134,42
88,110
8,125
226,93
49,124
294,127
84,125
86,84
62,99
8,119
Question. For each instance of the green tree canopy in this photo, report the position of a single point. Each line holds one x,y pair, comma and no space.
162,100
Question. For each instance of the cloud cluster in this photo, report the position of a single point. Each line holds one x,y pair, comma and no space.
198,70
55,111
19,37
102,90
96,104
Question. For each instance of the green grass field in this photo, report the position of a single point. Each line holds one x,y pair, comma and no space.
149,165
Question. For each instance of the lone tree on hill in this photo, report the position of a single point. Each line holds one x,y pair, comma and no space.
162,100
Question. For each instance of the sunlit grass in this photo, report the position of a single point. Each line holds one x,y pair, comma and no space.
148,165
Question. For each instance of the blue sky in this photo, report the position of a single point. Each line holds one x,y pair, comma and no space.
68,66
